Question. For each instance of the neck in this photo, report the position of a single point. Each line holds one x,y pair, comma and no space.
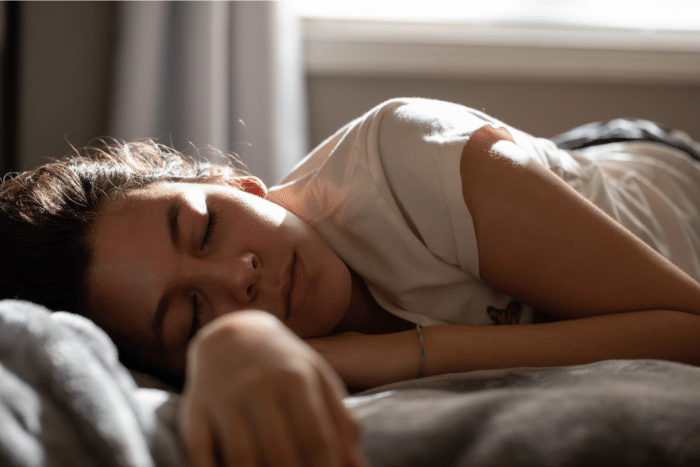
364,314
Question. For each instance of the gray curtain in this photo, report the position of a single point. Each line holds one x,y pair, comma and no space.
225,74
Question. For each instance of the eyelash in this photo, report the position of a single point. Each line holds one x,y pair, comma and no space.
196,314
213,218
211,223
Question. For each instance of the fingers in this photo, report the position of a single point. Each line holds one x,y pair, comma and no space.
276,437
314,430
236,442
303,425
197,439
348,429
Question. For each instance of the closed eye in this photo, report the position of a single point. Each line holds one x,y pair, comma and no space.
213,218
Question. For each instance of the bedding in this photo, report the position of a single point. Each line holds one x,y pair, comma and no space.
65,400
611,413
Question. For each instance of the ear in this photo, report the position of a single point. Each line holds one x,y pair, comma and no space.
249,184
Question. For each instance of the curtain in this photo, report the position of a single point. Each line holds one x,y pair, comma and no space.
225,74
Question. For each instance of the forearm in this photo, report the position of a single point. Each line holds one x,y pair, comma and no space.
365,361
667,335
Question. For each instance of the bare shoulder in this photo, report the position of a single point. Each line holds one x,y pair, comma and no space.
485,137
491,160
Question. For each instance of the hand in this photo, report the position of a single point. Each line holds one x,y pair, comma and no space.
256,394
369,360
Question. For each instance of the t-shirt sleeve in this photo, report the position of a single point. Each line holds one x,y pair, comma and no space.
420,148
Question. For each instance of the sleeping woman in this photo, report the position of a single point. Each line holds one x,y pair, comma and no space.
399,248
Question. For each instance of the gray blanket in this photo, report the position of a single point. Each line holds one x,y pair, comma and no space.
65,400
612,413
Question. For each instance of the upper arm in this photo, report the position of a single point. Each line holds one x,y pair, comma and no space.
541,242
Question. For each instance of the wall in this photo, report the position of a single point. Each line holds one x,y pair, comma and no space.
542,108
64,77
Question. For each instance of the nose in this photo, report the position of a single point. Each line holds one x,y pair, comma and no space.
241,275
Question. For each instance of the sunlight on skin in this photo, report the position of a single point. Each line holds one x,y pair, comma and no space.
196,199
273,212
512,152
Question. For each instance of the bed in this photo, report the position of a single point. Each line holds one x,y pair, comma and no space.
66,400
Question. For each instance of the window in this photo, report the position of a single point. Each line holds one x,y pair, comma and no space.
644,40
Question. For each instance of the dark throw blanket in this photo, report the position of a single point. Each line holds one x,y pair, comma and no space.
626,129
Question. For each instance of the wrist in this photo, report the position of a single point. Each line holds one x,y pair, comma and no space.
239,336
402,353
239,326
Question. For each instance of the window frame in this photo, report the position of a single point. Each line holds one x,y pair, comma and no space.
505,50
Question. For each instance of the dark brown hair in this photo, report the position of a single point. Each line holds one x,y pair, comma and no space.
46,214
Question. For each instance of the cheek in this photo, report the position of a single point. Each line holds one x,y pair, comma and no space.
122,296
333,292
267,213
123,284
334,271
340,285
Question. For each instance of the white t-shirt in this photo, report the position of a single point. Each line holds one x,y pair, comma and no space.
386,192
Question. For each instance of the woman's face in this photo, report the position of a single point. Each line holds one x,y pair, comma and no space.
171,257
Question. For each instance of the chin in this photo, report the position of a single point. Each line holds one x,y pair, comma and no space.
333,302
337,310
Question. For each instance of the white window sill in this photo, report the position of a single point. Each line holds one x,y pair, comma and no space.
335,47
